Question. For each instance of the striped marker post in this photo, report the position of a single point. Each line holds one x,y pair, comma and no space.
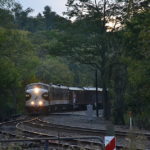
110,143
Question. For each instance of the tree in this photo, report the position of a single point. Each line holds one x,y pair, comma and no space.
53,70
21,16
17,58
137,58
6,3
6,19
88,42
49,17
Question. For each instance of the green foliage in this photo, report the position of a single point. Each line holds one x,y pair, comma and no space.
86,41
138,91
137,32
6,3
21,18
137,52
50,48
6,18
53,70
17,58
45,43
9,75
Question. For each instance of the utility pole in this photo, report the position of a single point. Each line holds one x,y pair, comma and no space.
97,114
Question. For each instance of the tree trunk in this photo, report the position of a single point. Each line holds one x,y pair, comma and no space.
106,103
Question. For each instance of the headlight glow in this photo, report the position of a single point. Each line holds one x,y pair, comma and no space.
36,90
40,103
32,103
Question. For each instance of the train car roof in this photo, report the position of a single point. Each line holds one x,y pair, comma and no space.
92,89
58,86
75,89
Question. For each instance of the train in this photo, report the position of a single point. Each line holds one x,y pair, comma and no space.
45,98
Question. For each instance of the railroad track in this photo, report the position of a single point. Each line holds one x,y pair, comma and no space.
61,129
27,126
8,128
15,129
38,123
31,128
9,131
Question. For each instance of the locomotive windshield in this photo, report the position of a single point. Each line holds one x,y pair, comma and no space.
37,85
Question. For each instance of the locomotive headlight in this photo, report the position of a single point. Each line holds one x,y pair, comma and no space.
36,90
32,103
40,103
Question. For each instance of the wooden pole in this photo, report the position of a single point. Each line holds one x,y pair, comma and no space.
97,113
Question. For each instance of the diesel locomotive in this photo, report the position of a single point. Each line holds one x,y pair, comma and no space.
45,98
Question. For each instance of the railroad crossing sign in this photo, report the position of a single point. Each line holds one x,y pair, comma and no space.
110,143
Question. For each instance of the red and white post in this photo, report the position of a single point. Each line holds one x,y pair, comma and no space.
110,142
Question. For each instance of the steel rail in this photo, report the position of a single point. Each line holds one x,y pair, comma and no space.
73,143
50,139
103,131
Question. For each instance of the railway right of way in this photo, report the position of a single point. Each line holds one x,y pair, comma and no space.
35,129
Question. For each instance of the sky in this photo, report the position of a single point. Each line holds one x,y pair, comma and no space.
38,5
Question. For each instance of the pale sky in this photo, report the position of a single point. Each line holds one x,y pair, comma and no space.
38,5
